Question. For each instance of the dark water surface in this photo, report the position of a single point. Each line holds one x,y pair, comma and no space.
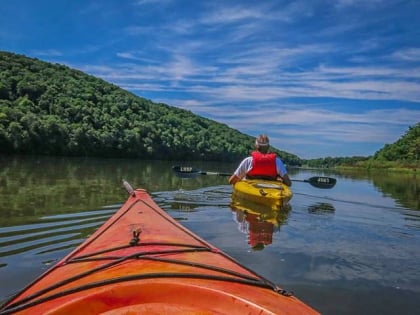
352,249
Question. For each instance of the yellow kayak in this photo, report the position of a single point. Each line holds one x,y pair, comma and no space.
271,194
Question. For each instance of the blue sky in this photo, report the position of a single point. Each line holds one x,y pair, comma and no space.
321,78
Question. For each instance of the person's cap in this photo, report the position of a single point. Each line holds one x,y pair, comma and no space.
262,141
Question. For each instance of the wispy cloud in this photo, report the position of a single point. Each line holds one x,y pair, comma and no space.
148,2
226,15
409,54
343,75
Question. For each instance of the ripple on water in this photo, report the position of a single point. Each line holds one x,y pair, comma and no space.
50,233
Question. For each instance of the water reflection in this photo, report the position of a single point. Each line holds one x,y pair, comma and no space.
323,208
403,187
258,222
357,242
31,187
183,207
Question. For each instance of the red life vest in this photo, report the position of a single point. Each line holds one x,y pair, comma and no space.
263,165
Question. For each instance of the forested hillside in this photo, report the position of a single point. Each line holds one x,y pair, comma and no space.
405,149
404,153
51,109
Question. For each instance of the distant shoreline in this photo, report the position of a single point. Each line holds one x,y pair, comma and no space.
360,168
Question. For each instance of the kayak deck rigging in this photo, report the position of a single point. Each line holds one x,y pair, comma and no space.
135,241
138,262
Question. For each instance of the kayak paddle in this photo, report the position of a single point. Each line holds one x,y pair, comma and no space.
319,181
315,181
191,172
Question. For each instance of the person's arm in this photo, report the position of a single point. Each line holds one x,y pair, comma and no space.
282,172
286,180
241,171
234,179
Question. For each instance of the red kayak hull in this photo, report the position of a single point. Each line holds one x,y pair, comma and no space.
142,261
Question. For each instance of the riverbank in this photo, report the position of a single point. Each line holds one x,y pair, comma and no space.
367,168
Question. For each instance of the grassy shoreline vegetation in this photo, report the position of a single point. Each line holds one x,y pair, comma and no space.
371,166
51,109
389,166
380,169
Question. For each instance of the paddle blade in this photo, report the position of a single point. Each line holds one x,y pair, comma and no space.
322,182
186,171
191,172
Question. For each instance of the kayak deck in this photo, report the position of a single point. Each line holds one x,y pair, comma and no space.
143,261
271,194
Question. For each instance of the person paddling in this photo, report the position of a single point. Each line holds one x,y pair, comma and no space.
261,164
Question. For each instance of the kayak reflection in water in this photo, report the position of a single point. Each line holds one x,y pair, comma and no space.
262,164
260,231
259,225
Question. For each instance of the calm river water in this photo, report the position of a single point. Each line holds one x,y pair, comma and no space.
353,249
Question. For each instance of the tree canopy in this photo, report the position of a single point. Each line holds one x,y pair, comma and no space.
405,149
405,152
51,109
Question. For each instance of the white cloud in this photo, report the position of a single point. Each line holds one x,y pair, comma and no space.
273,66
148,2
409,54
345,4
227,15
